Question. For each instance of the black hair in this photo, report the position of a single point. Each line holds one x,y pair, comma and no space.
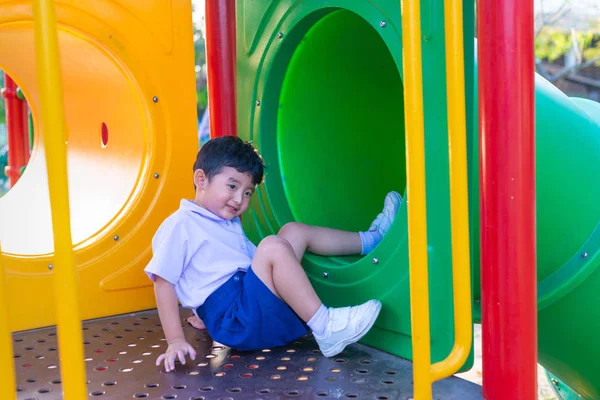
230,151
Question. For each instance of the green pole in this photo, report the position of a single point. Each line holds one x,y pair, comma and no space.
21,96
30,124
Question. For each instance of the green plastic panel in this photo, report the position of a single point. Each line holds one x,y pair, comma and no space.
320,93
561,390
311,106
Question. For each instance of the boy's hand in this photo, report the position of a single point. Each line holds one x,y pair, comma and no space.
177,349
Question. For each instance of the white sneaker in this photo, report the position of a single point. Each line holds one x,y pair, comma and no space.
347,325
384,220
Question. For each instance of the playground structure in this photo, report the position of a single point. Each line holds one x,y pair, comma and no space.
20,131
331,82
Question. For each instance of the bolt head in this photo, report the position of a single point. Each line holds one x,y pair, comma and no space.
50,267
155,99
325,275
116,237
257,103
584,255
280,35
156,176
375,260
382,24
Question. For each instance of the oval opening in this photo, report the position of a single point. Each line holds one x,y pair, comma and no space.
104,135
16,132
114,169
340,123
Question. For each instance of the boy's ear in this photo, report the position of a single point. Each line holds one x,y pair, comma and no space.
200,179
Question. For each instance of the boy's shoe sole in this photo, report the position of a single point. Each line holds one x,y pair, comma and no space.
340,346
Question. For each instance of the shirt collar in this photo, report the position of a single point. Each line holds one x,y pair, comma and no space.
189,205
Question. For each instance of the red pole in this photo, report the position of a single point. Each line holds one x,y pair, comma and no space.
16,124
507,162
221,59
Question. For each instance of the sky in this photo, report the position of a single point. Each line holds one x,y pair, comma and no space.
581,15
576,5
198,15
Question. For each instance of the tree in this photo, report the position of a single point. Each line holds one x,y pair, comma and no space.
200,55
200,62
3,164
574,50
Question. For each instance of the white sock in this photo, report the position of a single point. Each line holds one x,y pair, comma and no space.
371,238
318,322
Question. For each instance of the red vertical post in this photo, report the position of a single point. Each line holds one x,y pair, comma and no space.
507,163
221,62
18,135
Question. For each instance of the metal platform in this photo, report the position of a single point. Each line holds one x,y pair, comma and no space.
121,352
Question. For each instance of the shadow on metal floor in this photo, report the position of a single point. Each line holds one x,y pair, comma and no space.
120,361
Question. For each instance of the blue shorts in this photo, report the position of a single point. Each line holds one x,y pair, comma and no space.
244,314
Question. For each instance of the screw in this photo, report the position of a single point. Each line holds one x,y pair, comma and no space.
382,24
155,99
325,275
585,255
116,237
156,176
376,261
280,35
50,266
257,103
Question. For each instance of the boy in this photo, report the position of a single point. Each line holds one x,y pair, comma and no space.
249,298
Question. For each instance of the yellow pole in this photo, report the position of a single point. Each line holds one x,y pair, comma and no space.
459,205
7,377
415,187
70,338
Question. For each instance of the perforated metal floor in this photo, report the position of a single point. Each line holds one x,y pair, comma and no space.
121,352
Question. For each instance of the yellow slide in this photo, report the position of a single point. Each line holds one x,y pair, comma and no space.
130,107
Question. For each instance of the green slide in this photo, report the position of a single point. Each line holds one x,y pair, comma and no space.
320,93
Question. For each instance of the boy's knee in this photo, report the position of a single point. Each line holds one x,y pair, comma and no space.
274,244
291,230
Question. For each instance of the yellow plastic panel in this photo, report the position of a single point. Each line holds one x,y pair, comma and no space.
123,65
90,102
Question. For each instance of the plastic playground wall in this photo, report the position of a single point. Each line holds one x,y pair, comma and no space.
329,122
127,68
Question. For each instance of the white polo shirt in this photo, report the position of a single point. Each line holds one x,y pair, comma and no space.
198,251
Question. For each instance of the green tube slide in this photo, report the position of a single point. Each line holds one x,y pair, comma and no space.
320,93
568,151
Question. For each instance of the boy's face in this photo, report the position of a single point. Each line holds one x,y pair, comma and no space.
227,194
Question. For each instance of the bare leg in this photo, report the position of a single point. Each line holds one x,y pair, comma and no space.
275,264
318,240
195,322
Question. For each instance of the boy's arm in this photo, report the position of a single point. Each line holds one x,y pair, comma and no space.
168,311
